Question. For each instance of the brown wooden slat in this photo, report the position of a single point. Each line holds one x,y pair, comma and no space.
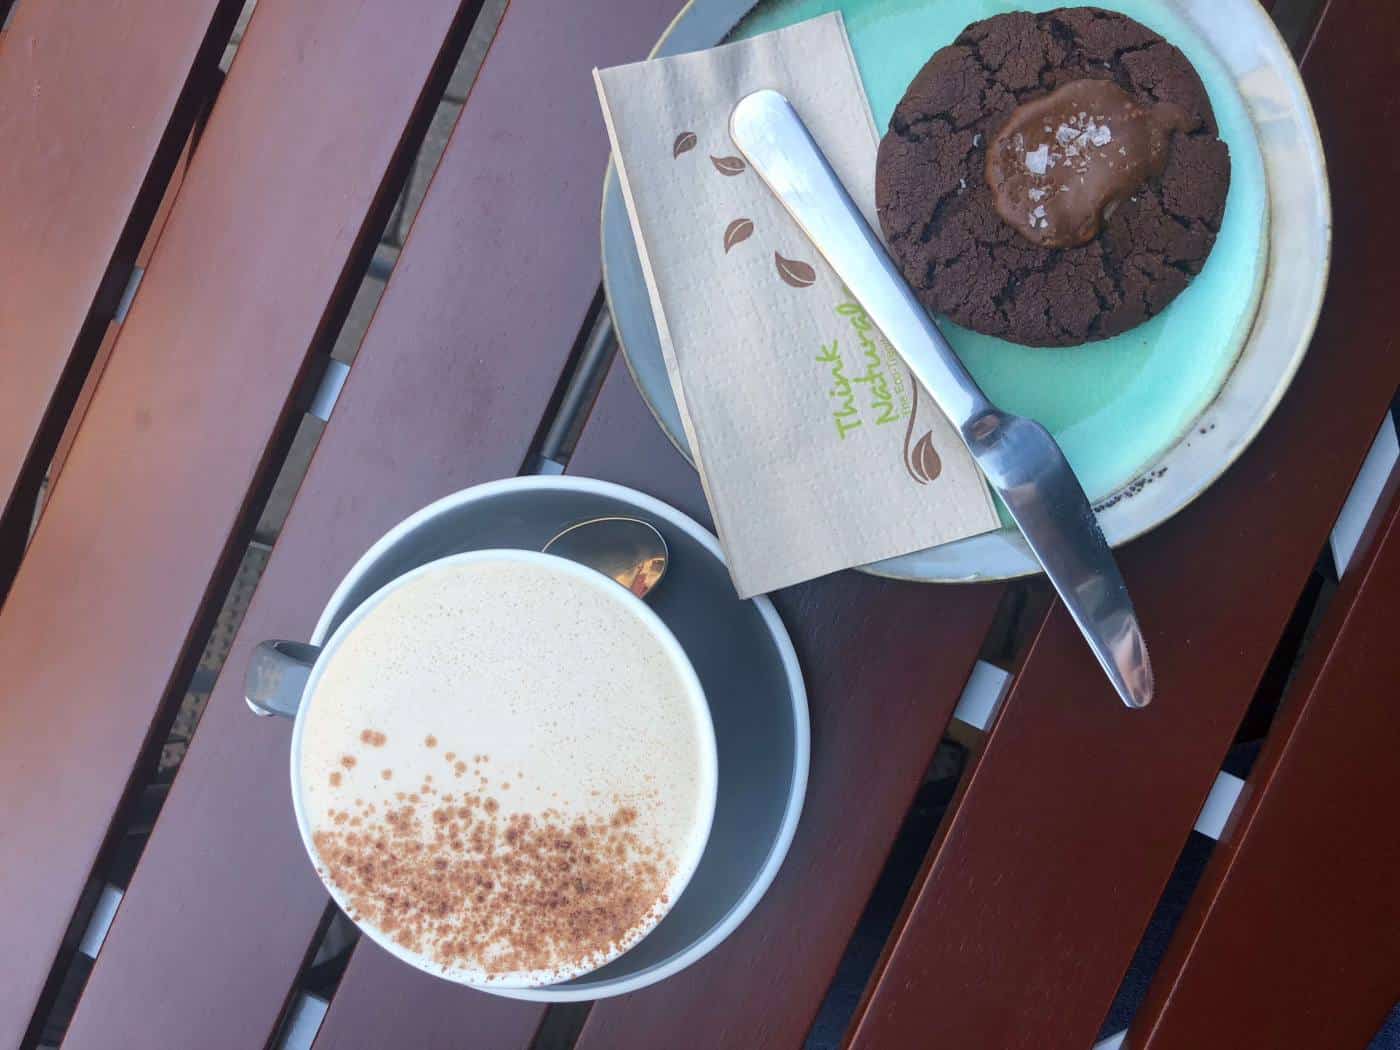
448,390
885,663
96,100
154,499
383,1003
34,493
114,327
1031,906
1290,937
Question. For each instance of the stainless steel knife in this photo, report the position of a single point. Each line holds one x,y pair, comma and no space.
1020,459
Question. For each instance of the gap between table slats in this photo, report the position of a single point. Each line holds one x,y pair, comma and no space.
1031,907
278,212
448,389
1290,939
80,189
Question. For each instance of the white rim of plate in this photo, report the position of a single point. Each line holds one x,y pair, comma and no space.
1247,43
797,697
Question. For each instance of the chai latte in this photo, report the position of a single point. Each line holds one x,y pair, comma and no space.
506,771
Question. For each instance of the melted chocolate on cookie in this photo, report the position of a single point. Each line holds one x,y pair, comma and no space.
1064,161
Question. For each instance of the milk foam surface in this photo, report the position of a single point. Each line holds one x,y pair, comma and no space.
504,774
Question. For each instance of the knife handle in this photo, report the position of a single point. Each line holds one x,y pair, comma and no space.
780,149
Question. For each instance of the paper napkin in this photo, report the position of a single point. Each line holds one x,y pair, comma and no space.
816,449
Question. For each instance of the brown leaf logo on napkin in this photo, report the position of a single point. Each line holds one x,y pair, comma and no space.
795,272
736,231
685,142
924,464
728,165
920,457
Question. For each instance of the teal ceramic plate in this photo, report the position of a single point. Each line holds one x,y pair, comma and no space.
1149,418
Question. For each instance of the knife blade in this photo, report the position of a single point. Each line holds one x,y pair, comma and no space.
1018,457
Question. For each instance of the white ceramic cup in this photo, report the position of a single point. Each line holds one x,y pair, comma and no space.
283,675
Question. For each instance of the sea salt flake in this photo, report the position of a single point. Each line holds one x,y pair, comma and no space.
1037,194
1100,134
1038,161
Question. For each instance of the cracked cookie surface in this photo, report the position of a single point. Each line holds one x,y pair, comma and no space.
937,211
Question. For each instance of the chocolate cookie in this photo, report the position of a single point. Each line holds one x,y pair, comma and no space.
1052,178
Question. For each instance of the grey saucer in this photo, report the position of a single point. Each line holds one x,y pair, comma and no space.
740,650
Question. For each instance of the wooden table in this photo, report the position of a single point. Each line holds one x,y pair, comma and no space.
252,236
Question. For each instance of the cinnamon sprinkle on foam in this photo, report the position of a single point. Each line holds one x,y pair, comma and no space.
469,887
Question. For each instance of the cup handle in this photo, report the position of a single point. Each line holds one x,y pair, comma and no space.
277,676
